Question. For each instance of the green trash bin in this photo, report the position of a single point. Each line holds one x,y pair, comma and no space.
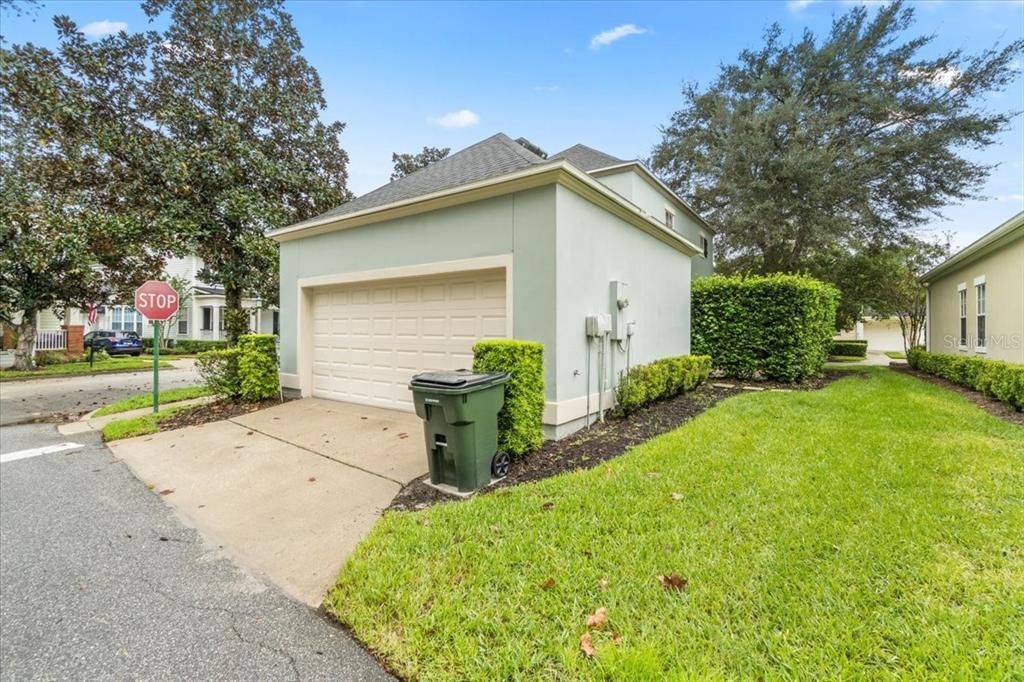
460,425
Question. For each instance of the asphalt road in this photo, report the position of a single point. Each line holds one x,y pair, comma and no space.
100,581
38,399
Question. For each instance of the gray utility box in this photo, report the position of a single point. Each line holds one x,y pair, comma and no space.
460,425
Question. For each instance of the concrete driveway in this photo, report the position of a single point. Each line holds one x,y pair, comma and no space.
288,491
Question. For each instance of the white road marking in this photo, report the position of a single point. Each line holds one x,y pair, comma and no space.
35,452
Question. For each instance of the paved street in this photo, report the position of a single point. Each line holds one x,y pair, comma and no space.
22,401
101,581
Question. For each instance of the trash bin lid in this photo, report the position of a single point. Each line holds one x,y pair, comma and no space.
457,379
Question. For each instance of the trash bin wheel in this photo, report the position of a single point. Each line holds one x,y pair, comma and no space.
499,465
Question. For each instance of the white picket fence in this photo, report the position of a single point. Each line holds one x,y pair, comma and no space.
55,340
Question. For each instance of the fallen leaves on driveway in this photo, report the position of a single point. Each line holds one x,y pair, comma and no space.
166,491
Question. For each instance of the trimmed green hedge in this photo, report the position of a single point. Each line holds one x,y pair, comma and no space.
257,366
779,326
178,346
997,379
519,422
849,348
661,379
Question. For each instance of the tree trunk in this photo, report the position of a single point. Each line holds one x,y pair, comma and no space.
24,351
233,314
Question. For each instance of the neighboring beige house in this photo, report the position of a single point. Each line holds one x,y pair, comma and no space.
976,297
881,334
201,318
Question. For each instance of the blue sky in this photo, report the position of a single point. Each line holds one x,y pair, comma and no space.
405,75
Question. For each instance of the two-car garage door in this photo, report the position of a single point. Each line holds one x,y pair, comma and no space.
370,338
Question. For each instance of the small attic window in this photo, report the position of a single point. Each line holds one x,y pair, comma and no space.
670,219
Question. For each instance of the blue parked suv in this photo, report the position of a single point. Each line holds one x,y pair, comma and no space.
115,343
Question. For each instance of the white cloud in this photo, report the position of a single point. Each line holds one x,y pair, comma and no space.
98,29
942,77
463,118
1010,197
799,5
618,33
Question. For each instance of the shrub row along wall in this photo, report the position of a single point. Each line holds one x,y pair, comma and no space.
850,349
248,371
997,379
779,326
185,345
660,379
519,422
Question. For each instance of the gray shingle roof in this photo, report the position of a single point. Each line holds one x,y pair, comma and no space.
586,158
490,158
497,155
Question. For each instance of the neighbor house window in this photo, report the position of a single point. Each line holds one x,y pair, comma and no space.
963,317
207,318
124,318
705,246
979,290
277,322
670,218
182,327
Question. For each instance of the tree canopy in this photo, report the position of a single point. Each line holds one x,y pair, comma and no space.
808,150
410,163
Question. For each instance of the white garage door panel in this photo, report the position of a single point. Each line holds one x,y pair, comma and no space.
369,339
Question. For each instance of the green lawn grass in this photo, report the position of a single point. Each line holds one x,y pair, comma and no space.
135,402
74,368
873,529
138,426
845,358
896,354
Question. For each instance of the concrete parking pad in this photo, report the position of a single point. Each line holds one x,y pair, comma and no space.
384,442
288,491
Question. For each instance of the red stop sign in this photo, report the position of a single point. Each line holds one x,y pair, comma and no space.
156,300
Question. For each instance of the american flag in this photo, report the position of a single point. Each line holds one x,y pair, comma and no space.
91,307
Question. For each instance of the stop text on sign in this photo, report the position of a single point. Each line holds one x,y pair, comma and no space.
157,300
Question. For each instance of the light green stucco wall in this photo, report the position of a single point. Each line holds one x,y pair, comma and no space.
521,224
595,248
638,189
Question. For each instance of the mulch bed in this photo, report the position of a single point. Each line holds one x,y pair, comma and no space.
604,441
204,413
990,405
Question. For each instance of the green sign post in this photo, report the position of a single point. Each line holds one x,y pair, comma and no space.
156,366
157,301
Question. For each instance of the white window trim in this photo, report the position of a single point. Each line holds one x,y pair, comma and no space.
961,314
704,239
980,343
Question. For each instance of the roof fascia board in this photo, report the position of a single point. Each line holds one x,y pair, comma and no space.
658,184
561,172
1005,233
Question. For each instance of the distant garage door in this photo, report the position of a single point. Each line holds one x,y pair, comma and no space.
369,339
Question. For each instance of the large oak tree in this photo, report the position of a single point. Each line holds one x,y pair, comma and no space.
806,149
241,107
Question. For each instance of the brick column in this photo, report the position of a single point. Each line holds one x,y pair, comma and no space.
75,345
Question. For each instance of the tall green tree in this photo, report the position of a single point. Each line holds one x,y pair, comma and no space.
72,163
816,146
410,163
240,108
